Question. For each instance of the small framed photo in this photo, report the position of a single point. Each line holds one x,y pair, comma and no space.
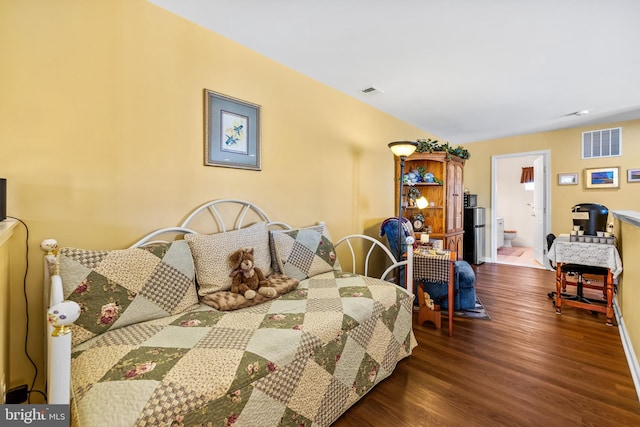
231,132
567,179
633,175
601,178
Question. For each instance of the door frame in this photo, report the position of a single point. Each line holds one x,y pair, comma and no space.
546,221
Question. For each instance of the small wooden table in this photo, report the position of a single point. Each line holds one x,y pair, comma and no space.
435,268
563,251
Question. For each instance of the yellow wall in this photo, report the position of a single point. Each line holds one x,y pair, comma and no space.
566,157
102,135
628,297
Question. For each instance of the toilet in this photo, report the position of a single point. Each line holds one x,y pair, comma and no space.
509,235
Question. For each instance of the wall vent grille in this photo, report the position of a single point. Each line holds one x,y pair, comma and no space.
371,90
602,143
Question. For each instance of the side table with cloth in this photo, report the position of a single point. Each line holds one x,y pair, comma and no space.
593,254
438,269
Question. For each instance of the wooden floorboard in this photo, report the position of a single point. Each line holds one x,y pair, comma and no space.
526,366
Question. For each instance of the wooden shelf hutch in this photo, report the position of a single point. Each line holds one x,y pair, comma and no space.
446,215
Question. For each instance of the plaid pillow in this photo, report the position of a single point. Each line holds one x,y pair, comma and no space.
304,252
121,287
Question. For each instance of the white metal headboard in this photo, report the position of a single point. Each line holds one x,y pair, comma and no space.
237,212
214,206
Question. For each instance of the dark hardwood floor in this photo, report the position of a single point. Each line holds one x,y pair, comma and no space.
526,366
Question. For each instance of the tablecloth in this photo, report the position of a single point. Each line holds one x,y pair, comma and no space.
593,254
432,268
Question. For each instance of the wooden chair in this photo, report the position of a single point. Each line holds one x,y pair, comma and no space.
427,313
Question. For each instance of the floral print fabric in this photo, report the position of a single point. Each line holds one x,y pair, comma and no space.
301,359
121,287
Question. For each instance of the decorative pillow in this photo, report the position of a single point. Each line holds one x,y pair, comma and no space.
121,287
210,253
304,252
275,268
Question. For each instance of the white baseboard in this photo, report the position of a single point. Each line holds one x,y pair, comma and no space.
628,349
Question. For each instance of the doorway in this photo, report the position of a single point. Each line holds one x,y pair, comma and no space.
523,211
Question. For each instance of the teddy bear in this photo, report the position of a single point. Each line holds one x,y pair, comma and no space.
246,278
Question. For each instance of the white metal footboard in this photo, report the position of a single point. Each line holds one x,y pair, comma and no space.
60,315
376,245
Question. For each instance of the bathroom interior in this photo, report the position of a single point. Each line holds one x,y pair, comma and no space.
514,209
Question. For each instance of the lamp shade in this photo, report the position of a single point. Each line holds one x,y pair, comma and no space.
422,202
403,148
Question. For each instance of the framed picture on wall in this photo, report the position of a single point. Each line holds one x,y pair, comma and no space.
567,179
633,175
231,132
601,178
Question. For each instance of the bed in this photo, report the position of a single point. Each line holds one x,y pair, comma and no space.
150,335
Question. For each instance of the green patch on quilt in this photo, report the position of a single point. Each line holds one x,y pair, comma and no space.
390,315
293,419
338,274
145,363
159,250
102,300
348,322
223,411
326,251
329,354
406,345
283,321
296,294
199,319
251,368
367,374
355,292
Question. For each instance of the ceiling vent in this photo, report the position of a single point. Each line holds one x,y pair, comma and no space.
371,90
602,143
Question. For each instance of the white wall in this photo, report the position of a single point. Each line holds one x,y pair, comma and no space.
515,203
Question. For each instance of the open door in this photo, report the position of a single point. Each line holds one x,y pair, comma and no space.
541,205
539,189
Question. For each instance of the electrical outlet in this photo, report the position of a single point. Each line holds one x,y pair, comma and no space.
17,394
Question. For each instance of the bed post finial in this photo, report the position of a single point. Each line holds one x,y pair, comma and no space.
61,316
49,245
51,260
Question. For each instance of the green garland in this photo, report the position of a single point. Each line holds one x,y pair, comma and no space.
430,145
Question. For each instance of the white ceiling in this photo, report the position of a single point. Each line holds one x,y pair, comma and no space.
463,70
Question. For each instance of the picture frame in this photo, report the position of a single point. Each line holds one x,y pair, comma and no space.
633,175
601,178
231,132
567,179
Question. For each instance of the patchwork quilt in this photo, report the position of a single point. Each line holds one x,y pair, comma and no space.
301,359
